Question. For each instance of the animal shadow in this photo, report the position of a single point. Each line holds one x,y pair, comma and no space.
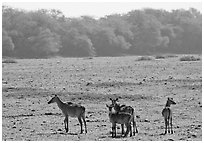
64,133
72,133
162,134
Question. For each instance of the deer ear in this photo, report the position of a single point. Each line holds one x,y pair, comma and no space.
111,99
168,98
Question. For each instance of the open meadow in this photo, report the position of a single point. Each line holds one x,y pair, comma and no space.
29,84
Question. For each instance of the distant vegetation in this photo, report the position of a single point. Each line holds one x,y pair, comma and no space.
145,58
9,61
160,57
46,33
189,58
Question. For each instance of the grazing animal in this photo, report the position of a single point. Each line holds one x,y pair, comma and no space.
72,110
167,114
126,109
120,118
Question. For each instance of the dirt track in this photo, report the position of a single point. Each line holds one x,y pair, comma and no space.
145,85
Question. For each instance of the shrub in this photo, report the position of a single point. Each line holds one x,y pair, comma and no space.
189,58
9,61
160,57
144,58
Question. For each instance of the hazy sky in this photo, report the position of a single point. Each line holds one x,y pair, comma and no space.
99,9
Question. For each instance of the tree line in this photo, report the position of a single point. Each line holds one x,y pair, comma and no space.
46,33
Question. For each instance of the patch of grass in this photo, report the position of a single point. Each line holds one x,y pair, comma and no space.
145,58
9,61
189,58
76,97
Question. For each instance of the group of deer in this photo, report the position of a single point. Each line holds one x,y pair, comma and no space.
122,114
118,114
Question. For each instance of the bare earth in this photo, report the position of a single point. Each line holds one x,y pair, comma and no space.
145,85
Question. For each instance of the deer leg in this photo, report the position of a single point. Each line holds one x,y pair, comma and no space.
128,129
113,129
80,121
133,124
65,126
171,125
168,126
134,127
165,126
83,117
122,126
66,123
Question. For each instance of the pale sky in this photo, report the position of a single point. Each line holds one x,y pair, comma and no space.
100,9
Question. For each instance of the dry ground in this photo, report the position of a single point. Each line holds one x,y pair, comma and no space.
28,85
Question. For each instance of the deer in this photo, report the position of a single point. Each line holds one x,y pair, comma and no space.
120,118
125,109
167,114
70,109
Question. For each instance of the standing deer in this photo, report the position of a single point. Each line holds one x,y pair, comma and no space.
167,114
72,110
125,109
120,118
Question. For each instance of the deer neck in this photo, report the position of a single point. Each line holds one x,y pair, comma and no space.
117,107
167,105
59,103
